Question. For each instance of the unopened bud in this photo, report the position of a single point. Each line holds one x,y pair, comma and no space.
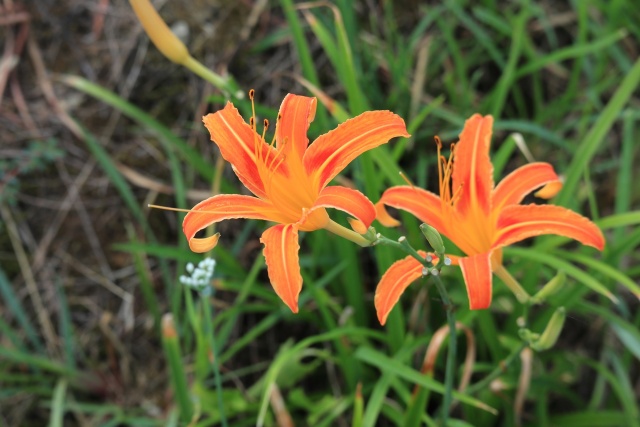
159,32
549,289
434,239
552,331
168,326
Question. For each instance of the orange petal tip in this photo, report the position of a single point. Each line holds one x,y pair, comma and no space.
205,244
393,283
383,216
549,190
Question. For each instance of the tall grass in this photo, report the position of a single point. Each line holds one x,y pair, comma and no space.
568,89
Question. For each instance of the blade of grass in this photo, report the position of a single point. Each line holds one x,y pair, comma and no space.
561,265
602,418
170,141
574,51
609,271
274,317
413,126
590,143
304,54
12,303
386,364
176,367
625,171
629,405
146,285
499,95
57,405
288,354
66,327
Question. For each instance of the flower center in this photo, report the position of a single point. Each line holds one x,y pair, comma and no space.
467,230
285,180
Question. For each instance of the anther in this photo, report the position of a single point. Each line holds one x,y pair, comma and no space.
251,94
251,121
265,126
438,141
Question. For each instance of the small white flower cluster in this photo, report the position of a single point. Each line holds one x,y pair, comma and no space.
200,276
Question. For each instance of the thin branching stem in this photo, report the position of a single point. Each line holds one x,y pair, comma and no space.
404,246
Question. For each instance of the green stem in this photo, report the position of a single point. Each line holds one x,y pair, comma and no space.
341,231
215,79
209,330
521,295
451,354
404,246
499,370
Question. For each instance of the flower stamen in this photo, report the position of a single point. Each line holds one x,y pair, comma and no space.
407,180
257,146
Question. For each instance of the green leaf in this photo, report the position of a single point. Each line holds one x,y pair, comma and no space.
561,265
591,142
386,364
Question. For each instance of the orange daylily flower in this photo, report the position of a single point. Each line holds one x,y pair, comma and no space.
289,179
478,217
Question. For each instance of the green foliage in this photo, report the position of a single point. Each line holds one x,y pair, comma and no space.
569,91
34,158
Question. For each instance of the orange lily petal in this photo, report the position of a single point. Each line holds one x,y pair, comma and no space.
426,206
218,208
472,166
518,222
383,216
357,225
393,283
204,244
476,271
549,190
333,151
522,181
347,200
296,113
281,255
237,143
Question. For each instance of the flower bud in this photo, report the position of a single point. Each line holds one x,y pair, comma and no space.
549,289
552,331
434,239
159,32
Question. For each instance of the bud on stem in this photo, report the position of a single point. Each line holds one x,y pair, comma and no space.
549,289
434,239
551,332
159,32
